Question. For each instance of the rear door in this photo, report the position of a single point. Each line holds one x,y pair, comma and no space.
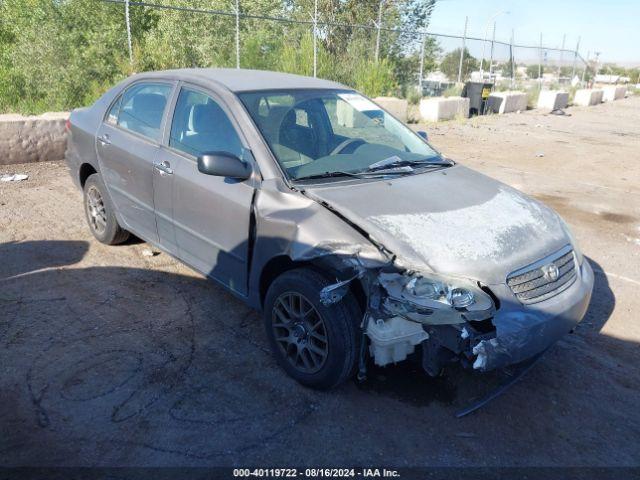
128,142
203,219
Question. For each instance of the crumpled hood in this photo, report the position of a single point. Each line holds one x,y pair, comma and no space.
453,221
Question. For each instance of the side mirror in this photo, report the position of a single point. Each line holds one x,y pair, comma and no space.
423,134
223,164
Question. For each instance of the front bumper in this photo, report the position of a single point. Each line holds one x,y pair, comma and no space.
523,331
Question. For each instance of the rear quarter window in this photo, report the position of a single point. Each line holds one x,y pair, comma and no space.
112,115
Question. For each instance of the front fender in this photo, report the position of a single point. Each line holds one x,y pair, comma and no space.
289,224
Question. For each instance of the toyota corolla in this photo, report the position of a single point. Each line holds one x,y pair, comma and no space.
353,236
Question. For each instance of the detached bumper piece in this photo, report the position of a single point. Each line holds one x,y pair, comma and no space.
516,373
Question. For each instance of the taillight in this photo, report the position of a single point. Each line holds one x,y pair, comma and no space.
67,125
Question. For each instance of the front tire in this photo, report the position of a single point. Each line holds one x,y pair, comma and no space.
100,213
317,345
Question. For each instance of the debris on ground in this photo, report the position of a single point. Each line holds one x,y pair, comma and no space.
15,177
540,154
147,252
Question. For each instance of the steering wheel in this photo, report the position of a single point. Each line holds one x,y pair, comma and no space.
345,144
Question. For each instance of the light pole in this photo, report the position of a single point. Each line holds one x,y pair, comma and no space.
595,68
486,34
379,26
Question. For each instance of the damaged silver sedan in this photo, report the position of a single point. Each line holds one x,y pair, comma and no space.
354,236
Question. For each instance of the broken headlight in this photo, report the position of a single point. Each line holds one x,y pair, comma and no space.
438,291
449,300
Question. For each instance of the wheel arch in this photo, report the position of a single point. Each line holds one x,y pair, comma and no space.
280,264
84,172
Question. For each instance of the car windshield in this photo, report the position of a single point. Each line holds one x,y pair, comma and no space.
330,133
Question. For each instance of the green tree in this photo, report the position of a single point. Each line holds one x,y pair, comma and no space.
450,64
60,54
375,78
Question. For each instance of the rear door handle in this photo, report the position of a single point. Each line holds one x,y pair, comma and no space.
164,168
104,139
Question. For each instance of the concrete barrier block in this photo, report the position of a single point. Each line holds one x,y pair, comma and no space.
398,107
441,108
32,139
553,100
348,116
613,92
588,96
506,102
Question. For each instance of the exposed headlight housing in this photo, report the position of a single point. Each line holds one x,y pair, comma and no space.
438,291
461,297
448,300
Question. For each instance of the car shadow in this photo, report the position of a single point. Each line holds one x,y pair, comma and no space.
18,258
117,364
406,381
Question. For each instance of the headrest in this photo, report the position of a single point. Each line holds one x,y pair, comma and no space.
207,117
149,102
290,118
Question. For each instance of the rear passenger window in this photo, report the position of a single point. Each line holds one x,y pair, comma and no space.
142,107
201,126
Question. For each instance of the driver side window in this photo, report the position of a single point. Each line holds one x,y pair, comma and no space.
201,126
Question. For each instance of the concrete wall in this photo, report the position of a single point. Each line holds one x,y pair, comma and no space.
348,116
614,92
441,108
506,102
398,107
553,100
32,139
588,96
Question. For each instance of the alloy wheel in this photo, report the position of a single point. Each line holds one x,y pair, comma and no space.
300,332
96,209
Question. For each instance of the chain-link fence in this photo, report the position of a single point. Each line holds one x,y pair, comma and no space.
61,55
441,58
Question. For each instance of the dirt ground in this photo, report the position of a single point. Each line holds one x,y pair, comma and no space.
110,357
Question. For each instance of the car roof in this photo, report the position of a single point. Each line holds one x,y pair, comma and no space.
245,80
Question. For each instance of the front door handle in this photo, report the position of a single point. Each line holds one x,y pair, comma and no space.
104,139
164,168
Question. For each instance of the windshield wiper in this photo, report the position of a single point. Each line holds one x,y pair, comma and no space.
365,174
381,169
395,162
326,175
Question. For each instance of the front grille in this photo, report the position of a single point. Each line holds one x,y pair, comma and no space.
535,283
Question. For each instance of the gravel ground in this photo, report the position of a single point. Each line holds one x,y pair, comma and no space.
110,357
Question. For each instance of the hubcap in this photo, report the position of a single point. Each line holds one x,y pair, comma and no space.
96,210
300,332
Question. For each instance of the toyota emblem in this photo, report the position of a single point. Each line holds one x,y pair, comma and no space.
551,272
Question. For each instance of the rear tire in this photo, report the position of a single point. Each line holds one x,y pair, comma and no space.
317,345
100,213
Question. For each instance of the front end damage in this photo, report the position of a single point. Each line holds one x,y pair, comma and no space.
456,320
413,271
406,311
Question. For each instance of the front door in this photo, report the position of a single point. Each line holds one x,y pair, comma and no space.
127,145
210,215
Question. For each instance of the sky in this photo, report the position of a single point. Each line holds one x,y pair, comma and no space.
611,27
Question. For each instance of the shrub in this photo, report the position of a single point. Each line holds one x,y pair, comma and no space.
453,91
374,78
414,95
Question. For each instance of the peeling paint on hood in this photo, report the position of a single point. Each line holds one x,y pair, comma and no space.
454,221
490,230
